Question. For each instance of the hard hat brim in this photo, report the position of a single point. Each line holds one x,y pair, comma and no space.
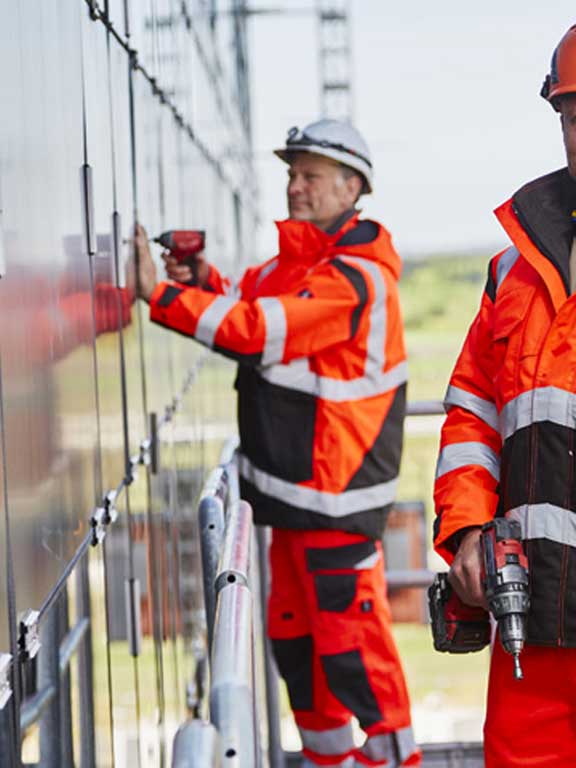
344,158
561,90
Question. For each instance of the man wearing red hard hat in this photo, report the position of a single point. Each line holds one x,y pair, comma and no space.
508,448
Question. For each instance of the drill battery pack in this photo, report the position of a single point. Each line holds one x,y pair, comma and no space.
456,627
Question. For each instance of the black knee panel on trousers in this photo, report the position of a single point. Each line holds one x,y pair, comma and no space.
335,592
348,681
294,660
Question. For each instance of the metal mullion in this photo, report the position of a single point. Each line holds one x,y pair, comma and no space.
49,677
10,733
8,729
66,743
85,669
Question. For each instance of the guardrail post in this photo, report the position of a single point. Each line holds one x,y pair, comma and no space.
9,750
66,744
85,670
49,675
232,693
211,513
231,699
275,751
196,745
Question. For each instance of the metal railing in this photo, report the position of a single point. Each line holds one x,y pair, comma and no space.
239,734
234,588
35,685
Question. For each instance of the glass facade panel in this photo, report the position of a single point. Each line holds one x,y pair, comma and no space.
94,137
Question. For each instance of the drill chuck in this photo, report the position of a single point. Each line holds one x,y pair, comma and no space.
506,584
460,628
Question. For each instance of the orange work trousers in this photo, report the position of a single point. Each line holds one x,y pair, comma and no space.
330,626
531,723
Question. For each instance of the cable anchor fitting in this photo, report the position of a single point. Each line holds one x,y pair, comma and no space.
29,640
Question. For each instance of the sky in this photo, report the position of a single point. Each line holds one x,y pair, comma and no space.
446,94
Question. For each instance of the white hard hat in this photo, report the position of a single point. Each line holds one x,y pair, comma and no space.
331,138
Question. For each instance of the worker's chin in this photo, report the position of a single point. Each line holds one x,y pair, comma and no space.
300,214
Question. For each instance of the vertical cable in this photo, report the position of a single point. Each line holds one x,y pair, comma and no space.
11,593
98,457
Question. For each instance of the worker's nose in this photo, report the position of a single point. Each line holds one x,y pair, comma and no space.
295,187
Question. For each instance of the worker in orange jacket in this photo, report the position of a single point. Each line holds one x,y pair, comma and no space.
508,448
318,335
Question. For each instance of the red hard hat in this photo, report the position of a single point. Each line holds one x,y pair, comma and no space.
562,77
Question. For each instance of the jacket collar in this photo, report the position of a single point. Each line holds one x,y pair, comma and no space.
538,221
306,243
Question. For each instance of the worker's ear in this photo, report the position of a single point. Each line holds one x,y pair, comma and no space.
354,185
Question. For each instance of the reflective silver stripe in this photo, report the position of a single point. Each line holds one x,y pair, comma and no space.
210,319
546,521
484,409
374,381
505,264
458,455
368,562
297,375
382,748
376,341
314,500
406,742
347,762
275,341
266,271
541,404
335,741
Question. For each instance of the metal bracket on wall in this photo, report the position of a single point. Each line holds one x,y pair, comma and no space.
93,10
145,452
154,443
29,639
87,190
134,619
5,674
120,272
102,517
110,507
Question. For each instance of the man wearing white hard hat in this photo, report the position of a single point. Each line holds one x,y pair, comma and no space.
318,336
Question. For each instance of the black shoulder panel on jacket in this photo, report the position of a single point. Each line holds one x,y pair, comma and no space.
168,296
356,277
382,462
490,287
364,232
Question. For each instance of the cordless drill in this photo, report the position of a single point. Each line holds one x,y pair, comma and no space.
183,245
460,628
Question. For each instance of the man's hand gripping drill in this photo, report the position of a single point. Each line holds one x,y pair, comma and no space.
490,572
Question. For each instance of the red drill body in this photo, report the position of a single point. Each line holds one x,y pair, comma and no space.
183,243
460,628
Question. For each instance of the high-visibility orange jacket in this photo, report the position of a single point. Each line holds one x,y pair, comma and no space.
509,441
321,383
